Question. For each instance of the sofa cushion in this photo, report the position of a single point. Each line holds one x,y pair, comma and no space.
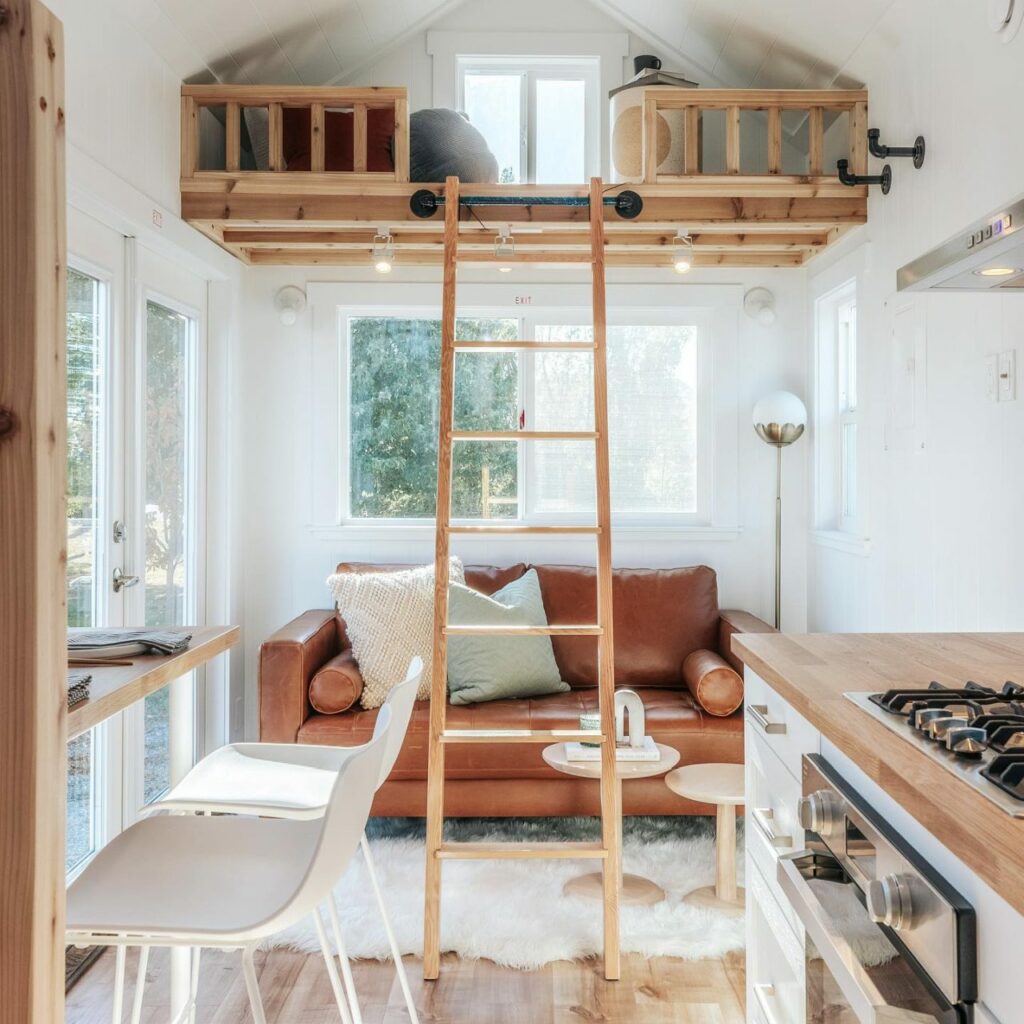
659,615
672,717
486,668
337,685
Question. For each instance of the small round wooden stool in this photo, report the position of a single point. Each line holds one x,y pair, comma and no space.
721,785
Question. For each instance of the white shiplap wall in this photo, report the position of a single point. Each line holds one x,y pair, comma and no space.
945,498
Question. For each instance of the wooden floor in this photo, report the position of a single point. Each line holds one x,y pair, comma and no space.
295,990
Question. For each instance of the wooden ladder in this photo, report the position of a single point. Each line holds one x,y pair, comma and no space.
609,849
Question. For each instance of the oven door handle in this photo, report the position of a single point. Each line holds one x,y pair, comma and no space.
867,1003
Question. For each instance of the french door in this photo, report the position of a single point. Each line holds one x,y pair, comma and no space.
135,335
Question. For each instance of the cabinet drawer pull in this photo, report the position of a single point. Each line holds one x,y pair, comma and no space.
765,995
758,714
764,819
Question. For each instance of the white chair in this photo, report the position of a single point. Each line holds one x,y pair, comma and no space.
222,882
292,780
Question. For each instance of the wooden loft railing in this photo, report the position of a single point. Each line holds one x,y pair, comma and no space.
320,188
815,104
315,104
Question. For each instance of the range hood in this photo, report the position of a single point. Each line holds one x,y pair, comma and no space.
988,256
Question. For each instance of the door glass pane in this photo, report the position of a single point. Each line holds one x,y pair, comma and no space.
493,104
561,122
652,421
394,369
86,333
169,338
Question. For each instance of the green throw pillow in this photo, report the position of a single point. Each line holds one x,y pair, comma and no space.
482,668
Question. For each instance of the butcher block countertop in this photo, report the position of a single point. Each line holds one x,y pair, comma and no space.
812,671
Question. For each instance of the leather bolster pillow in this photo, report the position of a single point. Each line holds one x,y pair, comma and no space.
337,685
713,683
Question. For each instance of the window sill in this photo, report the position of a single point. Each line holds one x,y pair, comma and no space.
408,531
838,540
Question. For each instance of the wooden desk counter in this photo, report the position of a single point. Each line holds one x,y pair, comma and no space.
813,671
115,687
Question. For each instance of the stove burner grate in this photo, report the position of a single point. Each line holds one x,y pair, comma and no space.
1007,772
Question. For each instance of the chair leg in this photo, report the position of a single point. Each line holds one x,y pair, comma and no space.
346,967
193,988
332,969
396,953
140,984
252,986
119,961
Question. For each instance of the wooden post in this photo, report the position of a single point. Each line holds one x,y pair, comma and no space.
439,680
33,450
774,140
649,139
693,148
232,137
611,792
359,137
732,140
815,140
859,138
189,137
275,133
317,141
402,139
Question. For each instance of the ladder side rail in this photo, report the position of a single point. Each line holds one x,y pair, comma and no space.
439,679
611,789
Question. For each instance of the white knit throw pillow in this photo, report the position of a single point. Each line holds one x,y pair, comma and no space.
390,620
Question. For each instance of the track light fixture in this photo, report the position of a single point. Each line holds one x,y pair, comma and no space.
383,251
504,247
682,252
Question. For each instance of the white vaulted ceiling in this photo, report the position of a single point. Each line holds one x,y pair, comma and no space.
733,43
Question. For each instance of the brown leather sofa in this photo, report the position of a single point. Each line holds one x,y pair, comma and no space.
660,617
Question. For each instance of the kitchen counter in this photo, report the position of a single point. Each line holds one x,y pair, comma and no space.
813,671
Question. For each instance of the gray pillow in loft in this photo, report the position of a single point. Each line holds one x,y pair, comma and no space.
443,142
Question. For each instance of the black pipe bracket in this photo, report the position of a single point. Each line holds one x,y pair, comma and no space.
916,151
884,179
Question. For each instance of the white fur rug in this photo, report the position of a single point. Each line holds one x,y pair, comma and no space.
514,912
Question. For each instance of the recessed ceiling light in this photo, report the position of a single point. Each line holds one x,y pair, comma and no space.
997,271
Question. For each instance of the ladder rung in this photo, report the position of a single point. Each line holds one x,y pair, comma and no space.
521,736
524,529
524,435
526,346
520,851
523,630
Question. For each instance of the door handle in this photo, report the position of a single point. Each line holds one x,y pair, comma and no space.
763,818
758,714
122,581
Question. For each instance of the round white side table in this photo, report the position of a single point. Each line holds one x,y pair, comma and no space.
721,785
633,888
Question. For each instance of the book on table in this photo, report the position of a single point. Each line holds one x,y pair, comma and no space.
100,644
582,752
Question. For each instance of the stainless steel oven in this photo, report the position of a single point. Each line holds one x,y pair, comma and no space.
888,940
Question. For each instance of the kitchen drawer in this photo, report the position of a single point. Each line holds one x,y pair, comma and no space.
775,960
786,732
771,814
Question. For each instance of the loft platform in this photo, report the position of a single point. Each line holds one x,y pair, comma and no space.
308,176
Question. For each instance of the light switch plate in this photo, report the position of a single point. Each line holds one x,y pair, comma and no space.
1008,375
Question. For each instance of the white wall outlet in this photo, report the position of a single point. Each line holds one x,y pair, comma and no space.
1008,375
992,378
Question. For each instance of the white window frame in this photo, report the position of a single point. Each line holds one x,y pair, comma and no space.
838,498
712,307
611,49
531,69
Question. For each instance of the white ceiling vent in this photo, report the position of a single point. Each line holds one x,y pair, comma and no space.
1005,16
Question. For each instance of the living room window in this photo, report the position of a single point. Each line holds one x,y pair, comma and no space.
657,408
535,113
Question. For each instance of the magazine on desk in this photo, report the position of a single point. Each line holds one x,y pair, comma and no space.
648,752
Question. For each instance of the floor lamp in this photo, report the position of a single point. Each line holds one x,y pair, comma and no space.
779,419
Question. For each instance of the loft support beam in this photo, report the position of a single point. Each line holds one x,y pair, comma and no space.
33,447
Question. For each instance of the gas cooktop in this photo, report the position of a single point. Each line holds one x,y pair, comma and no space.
974,731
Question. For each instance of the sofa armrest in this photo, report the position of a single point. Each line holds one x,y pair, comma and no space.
289,659
731,622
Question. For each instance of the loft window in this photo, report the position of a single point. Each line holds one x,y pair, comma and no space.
537,114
